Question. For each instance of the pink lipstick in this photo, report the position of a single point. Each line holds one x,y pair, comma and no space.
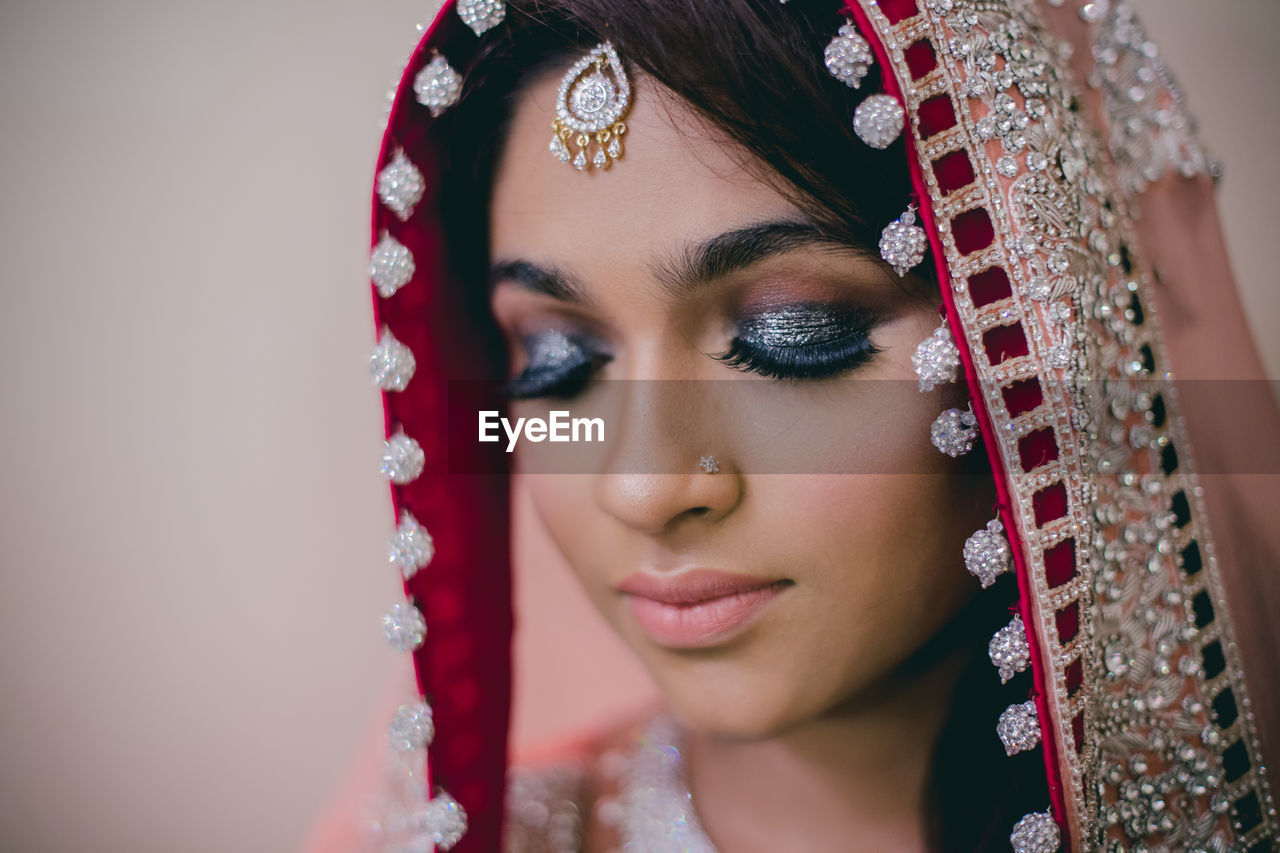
699,608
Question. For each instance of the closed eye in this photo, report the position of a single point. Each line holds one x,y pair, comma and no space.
805,341
559,365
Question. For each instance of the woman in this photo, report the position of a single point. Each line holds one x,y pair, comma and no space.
756,242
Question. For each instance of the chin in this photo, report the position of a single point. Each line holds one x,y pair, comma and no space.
746,707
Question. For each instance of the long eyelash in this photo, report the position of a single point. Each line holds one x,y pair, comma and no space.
800,362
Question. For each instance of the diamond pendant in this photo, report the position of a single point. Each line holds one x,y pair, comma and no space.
987,553
936,359
954,432
878,120
903,243
848,56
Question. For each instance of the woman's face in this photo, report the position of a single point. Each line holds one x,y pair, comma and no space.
767,593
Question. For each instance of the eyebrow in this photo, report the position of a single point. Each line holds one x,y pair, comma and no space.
742,248
553,282
698,264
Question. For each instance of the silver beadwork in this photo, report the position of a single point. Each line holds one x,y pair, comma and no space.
936,359
658,814
1008,649
1093,12
1150,131
400,186
903,243
1036,833
411,548
390,266
593,97
402,459
392,363
987,553
543,806
1019,728
404,627
954,432
709,464
878,120
848,56
412,727
445,821
481,15
437,85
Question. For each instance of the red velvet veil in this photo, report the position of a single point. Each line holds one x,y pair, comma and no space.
1031,160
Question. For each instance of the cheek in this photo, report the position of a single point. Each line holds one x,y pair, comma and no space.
879,572
881,552
565,507
889,533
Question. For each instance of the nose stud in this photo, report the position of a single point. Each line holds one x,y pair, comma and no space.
709,464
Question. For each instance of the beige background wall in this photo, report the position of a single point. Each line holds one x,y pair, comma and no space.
191,524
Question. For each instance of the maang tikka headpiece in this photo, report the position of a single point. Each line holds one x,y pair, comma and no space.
594,96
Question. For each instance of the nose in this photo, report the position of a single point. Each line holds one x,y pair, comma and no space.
656,481
661,504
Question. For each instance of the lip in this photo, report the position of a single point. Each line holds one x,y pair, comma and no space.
699,608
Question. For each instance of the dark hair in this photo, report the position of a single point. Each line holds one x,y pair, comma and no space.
754,70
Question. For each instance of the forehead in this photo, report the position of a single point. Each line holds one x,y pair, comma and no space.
679,180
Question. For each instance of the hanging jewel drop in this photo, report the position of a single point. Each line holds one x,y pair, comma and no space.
481,15
936,359
878,120
903,243
848,56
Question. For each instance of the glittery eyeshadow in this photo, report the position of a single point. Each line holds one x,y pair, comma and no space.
800,326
